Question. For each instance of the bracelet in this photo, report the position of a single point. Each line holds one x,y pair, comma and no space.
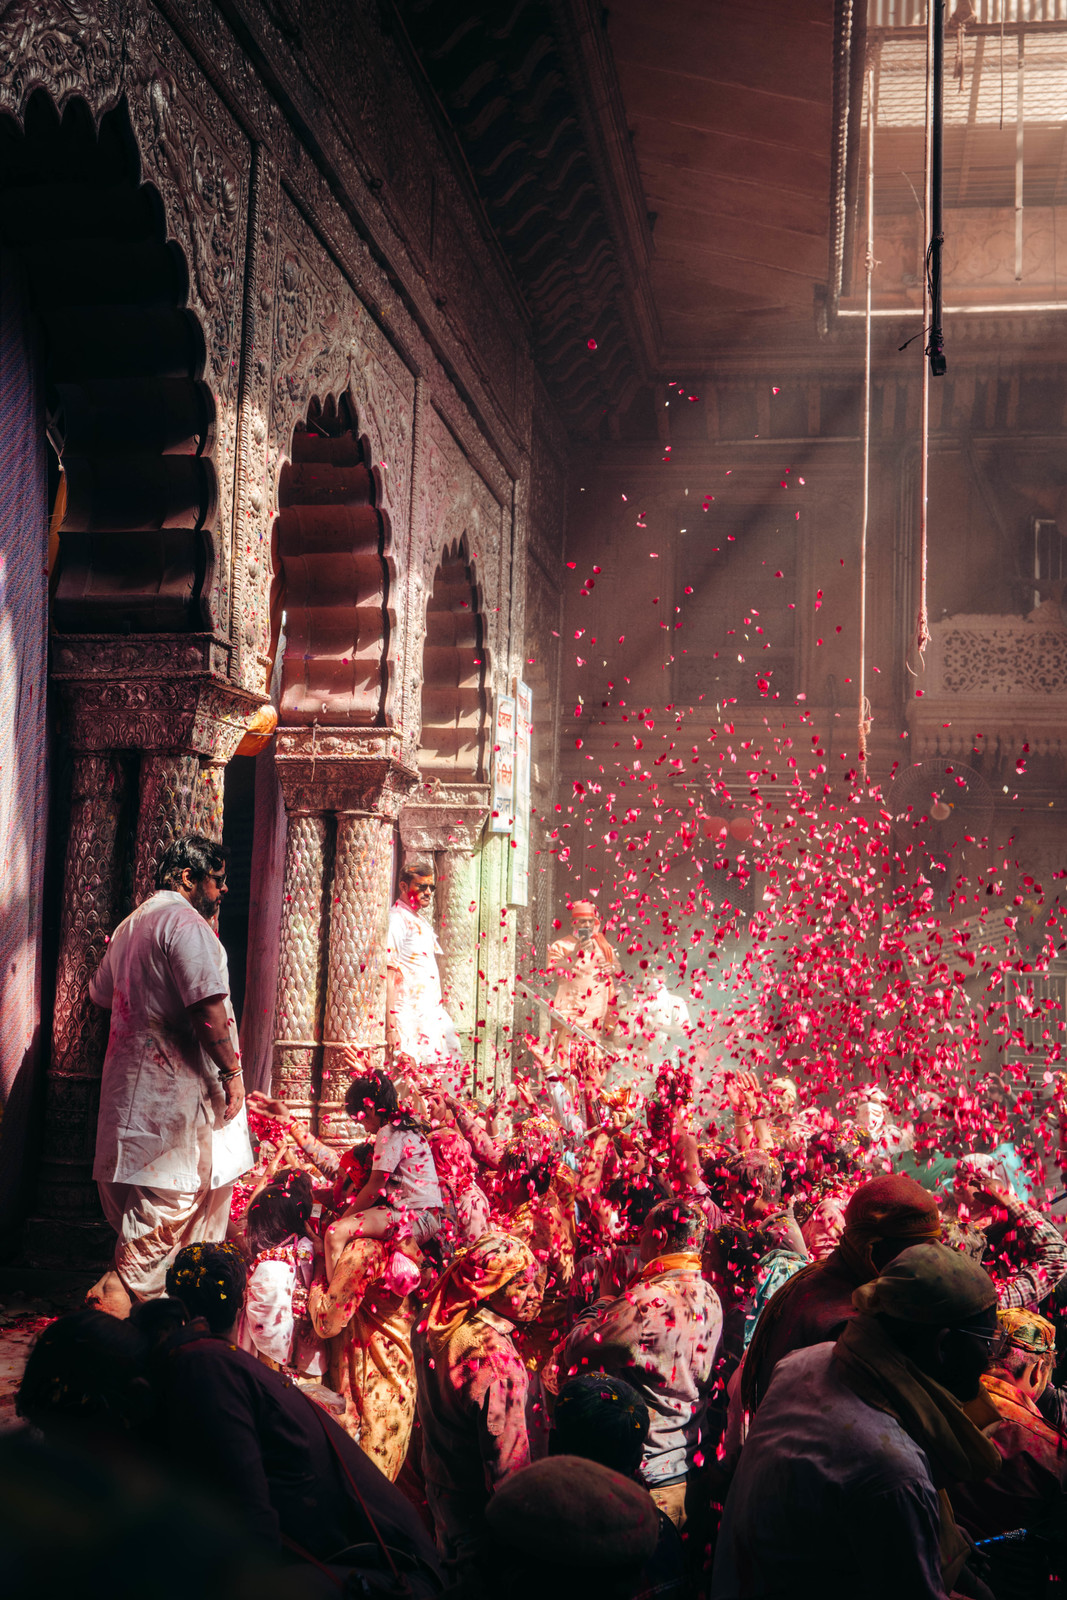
224,1077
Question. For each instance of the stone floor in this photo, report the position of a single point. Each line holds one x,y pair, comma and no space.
28,1303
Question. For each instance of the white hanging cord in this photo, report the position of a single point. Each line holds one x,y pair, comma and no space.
864,703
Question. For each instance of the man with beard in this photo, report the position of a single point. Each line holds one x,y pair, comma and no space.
171,1080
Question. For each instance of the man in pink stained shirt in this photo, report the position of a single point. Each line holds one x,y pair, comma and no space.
171,1135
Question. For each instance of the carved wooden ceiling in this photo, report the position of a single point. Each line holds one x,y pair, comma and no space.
730,103
659,176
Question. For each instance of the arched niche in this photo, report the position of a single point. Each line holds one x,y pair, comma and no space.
121,359
333,575
453,744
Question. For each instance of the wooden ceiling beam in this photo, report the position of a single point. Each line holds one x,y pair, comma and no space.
731,156
755,57
707,196
724,107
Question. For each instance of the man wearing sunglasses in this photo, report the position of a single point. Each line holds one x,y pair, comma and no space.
416,1023
171,1134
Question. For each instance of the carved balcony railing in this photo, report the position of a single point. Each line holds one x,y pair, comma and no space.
993,683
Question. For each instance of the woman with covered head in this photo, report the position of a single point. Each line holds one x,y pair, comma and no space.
386,1199
539,1198
472,1385
882,1218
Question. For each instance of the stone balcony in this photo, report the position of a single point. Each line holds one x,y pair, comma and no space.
993,683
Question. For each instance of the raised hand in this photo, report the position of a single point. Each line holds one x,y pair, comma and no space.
266,1106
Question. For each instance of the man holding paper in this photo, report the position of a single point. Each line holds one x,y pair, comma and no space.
172,1135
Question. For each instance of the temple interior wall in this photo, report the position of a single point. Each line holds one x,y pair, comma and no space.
321,248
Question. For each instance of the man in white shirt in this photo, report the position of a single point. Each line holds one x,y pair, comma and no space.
662,1337
172,1077
417,1024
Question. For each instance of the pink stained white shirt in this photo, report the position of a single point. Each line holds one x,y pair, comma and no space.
269,1324
424,1029
160,1097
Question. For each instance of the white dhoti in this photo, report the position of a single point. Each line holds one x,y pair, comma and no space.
165,1161
154,1224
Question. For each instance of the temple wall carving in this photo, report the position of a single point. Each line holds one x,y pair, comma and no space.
994,683
310,277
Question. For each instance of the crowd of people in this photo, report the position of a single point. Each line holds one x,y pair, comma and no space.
576,1338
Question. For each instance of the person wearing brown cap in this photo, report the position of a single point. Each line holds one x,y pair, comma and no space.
1028,1492
565,1527
840,1488
882,1218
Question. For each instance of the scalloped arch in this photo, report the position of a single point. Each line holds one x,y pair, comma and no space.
130,414
334,574
453,742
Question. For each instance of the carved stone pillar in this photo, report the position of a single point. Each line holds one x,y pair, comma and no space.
141,714
302,967
208,806
359,917
99,795
448,824
343,788
167,808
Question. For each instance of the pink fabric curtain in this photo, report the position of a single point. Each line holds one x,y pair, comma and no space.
23,673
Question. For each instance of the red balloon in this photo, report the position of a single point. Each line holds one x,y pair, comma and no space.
714,827
742,829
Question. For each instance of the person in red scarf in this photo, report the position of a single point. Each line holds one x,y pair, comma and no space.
661,1336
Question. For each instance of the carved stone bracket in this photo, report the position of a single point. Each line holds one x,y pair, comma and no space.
166,692
451,818
343,769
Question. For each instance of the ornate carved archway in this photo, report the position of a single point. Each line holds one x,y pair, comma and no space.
338,759
447,817
452,745
123,361
332,553
117,364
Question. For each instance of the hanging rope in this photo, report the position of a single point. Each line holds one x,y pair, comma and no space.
864,703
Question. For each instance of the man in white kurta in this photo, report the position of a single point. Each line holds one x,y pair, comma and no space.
171,1134
418,1026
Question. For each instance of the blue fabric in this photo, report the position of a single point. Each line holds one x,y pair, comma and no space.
774,1269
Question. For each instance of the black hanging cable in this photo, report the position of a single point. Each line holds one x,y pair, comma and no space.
935,348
